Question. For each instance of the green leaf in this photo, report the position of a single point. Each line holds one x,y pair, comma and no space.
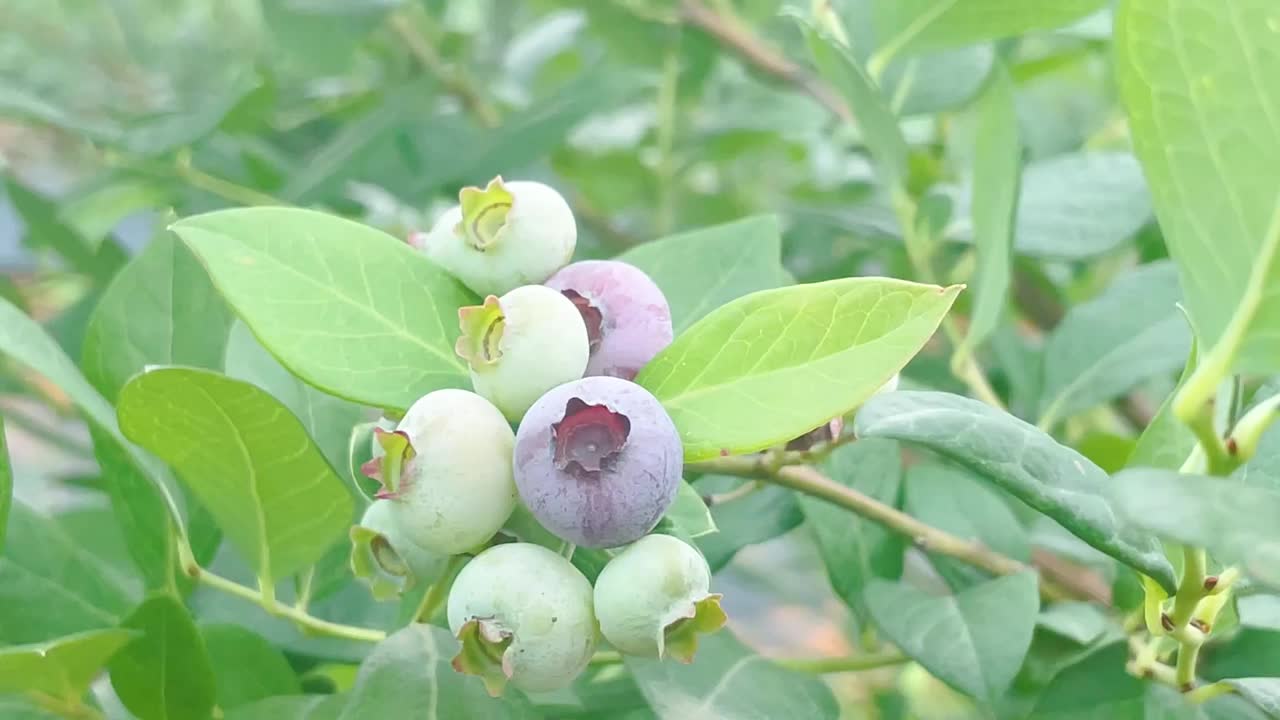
745,253
165,674
327,419
953,500
63,667
973,641
1167,441
690,514
51,586
761,515
918,25
879,127
1023,461
1103,348
1233,519
1205,120
245,666
728,681
16,707
1080,205
1261,691
1091,684
856,550
775,364
6,484
44,229
345,307
291,707
247,459
997,165
409,675
1081,622
140,510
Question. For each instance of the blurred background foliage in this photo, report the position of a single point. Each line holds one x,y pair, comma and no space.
652,117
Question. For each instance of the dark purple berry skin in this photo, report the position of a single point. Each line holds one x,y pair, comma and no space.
627,316
598,461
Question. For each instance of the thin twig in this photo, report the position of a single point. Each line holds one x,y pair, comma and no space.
854,663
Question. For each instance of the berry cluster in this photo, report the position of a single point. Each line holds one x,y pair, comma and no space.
594,457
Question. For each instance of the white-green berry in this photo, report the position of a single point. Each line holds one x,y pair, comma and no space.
653,599
503,236
385,558
447,471
523,614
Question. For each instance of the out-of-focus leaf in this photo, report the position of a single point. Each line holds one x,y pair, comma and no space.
916,25
746,254
1167,441
754,518
46,230
1106,346
245,666
1215,183
62,668
773,365
291,707
247,459
1022,460
165,674
6,484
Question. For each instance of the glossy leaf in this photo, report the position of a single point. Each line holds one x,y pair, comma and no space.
1232,518
247,459
165,674
409,675
1023,461
745,253
245,666
876,121
327,419
50,586
916,25
773,365
345,307
727,680
856,550
62,668
1206,125
974,641
1103,348
997,165
953,500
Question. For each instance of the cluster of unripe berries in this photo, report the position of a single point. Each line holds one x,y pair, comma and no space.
595,459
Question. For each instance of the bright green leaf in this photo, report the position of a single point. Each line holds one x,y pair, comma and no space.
854,549
327,419
62,668
997,165
952,500
728,681
50,586
1022,460
345,307
247,459
773,365
1197,79
974,641
409,675
918,25
1106,346
746,255
165,674
245,666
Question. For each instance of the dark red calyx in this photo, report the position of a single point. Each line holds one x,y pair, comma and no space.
591,317
589,438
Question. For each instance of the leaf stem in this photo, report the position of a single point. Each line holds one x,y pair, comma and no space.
605,657
439,590
273,606
69,708
1208,692
853,663
808,480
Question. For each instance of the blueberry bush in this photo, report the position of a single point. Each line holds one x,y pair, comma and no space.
640,359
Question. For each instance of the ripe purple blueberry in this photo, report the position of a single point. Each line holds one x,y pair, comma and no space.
521,345
627,317
503,236
447,469
598,461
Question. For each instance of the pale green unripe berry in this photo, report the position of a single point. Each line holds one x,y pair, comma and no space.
653,598
521,345
447,469
503,236
523,613
385,557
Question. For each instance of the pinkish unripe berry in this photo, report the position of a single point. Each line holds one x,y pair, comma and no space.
627,317
598,461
